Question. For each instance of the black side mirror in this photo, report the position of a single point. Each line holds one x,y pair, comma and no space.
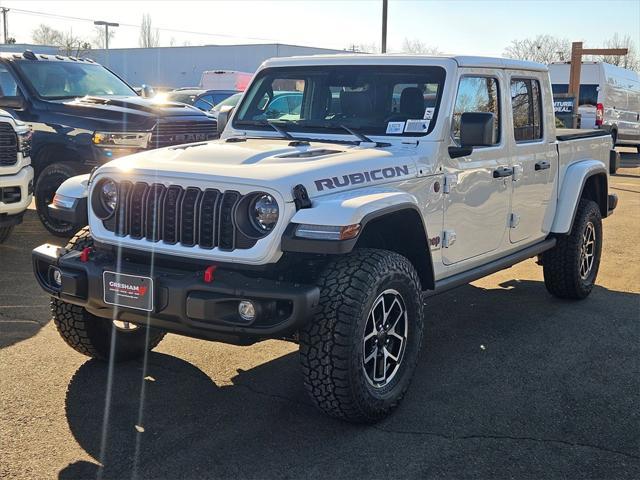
17,102
223,117
476,129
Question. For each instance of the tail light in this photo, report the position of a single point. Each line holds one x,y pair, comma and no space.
599,114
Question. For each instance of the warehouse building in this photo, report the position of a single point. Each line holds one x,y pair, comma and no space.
172,67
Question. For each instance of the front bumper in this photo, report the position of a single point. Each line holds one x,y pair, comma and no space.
23,180
183,302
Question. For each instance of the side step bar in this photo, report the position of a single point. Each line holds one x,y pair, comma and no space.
491,267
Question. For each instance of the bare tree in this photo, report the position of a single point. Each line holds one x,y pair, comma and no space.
417,46
148,36
630,60
98,40
45,35
542,49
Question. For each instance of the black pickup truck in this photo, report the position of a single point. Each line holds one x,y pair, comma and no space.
83,115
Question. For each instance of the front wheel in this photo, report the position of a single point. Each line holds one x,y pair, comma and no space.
359,352
51,177
571,267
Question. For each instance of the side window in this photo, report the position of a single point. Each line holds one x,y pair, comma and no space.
477,94
8,86
526,105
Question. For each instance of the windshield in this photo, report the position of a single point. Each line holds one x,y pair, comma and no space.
54,80
231,101
181,97
372,99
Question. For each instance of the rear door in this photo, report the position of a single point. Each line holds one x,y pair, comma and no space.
477,204
534,158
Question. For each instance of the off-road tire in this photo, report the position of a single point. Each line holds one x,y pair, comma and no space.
92,335
561,265
331,344
49,179
5,232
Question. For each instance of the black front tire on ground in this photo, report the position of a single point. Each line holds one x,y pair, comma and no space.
49,179
5,232
347,330
571,267
93,336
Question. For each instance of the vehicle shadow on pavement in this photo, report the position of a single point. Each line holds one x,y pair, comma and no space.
512,382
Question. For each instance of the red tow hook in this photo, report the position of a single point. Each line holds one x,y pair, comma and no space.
84,255
208,273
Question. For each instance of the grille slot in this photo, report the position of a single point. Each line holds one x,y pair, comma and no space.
189,220
136,210
208,217
173,214
153,212
8,145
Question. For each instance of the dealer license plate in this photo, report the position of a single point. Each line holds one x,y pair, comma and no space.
131,291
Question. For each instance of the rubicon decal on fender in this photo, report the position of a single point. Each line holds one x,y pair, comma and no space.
361,177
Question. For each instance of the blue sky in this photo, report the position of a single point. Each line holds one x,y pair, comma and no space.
455,26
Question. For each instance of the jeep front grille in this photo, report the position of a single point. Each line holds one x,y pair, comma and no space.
176,133
188,216
8,145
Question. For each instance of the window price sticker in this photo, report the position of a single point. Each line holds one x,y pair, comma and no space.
394,128
416,126
428,113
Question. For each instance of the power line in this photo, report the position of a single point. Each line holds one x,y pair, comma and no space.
189,32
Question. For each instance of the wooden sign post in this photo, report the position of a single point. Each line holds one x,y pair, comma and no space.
576,65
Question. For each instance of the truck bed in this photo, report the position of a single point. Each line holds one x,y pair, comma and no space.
565,134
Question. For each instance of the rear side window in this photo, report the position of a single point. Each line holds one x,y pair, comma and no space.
477,94
526,105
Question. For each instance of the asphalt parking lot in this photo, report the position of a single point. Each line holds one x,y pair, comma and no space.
512,383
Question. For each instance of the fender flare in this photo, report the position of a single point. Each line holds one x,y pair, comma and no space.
351,208
575,179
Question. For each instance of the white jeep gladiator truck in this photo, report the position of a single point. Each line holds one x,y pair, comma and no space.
398,176
16,173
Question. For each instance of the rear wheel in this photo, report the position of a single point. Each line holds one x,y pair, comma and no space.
571,267
94,336
51,177
5,232
359,352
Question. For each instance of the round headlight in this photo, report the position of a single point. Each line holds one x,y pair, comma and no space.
109,195
105,198
263,212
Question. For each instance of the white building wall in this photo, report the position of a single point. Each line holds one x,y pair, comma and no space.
182,66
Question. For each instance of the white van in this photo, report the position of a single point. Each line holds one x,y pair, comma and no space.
225,80
609,98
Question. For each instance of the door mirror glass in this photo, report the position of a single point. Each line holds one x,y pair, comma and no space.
476,129
224,114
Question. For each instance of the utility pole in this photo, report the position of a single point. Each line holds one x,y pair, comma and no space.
4,23
384,25
106,34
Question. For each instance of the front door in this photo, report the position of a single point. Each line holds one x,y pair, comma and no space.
477,200
535,162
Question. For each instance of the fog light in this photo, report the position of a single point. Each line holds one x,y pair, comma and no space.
247,310
56,276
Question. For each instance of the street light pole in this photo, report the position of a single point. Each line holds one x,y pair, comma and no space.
4,22
106,34
384,25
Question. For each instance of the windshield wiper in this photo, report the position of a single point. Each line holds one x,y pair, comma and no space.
281,131
363,138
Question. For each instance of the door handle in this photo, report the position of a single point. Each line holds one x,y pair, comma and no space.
542,165
501,172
